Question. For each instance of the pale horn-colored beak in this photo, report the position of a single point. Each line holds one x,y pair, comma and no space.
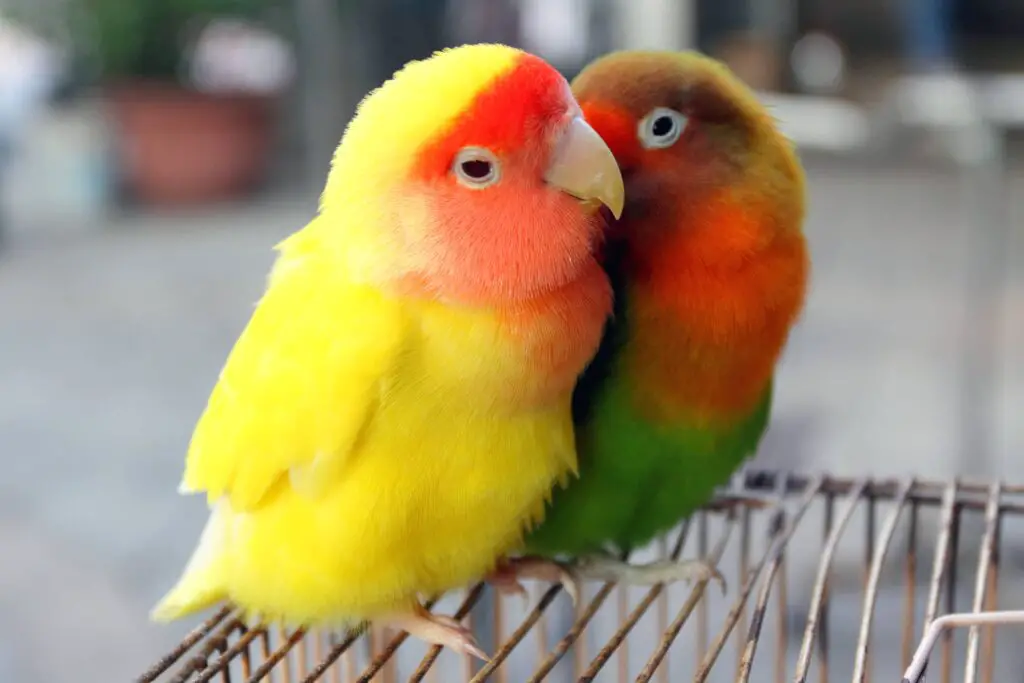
585,168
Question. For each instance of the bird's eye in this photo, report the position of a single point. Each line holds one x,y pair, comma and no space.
661,128
476,167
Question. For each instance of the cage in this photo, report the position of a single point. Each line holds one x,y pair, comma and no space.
826,579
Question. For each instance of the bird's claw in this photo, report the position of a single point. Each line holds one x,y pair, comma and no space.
661,571
505,582
461,638
440,630
506,577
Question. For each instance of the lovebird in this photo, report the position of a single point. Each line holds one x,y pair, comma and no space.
398,409
710,266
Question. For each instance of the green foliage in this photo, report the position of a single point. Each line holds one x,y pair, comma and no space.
145,38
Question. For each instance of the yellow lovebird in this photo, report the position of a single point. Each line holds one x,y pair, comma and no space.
396,412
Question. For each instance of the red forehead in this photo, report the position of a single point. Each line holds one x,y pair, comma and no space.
507,115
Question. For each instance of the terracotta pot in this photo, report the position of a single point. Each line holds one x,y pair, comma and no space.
179,146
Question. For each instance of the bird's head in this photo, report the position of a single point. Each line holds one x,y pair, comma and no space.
708,174
474,177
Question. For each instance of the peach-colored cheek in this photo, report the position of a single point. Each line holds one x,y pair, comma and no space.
560,331
508,243
417,223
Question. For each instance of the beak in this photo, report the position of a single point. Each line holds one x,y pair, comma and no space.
585,168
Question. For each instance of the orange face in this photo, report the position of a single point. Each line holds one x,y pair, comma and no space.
715,258
488,219
680,126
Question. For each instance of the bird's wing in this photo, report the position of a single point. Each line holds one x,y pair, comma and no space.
298,390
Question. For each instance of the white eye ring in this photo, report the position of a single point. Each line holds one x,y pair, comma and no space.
661,128
476,167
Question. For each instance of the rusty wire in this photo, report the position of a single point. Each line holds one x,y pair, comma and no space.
757,528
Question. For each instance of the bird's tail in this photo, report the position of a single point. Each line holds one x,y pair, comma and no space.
204,581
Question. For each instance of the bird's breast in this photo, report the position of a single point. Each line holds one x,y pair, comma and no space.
529,355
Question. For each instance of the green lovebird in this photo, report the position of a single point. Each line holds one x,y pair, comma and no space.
710,269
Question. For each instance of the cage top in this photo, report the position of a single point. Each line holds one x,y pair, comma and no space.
916,546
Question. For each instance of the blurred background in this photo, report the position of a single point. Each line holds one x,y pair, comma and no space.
153,151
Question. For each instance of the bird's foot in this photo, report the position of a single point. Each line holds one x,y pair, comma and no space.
506,577
601,568
437,630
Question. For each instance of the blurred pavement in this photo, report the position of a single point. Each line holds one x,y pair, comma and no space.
111,342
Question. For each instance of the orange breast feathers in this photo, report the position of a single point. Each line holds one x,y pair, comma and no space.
710,310
559,333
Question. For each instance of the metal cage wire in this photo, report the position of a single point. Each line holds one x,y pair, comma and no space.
808,597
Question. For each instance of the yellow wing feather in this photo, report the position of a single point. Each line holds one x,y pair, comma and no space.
301,384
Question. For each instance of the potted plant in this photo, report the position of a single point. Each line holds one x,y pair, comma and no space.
188,127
